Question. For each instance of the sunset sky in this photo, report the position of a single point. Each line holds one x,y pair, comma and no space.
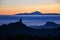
10,7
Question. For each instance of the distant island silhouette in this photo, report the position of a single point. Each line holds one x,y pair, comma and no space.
37,13
19,30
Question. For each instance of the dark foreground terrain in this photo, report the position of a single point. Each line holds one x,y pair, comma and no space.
28,37
19,31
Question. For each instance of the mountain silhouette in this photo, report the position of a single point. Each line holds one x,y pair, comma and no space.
32,13
19,28
37,13
50,25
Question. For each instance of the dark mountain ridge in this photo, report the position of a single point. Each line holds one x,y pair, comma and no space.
32,13
48,25
19,28
37,13
51,25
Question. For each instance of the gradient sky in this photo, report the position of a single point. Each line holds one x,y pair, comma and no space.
9,7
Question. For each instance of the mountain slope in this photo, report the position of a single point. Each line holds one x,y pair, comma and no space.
33,13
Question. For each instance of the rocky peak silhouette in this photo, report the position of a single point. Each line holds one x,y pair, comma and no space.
19,28
20,21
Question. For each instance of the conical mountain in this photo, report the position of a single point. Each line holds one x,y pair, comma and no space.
32,13
36,13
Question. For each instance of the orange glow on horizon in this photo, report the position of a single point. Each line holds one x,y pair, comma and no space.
52,8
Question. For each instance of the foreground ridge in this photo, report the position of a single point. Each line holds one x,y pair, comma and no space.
19,30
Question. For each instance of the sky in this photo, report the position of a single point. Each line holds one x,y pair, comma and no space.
10,7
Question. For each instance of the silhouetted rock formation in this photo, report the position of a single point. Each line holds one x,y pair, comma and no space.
19,30
20,21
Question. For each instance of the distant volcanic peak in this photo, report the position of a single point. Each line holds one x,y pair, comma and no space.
32,13
36,12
